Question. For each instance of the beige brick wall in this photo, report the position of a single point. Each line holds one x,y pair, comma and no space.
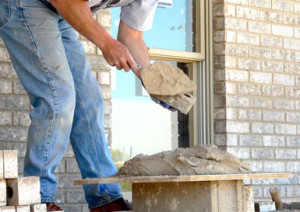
257,79
14,119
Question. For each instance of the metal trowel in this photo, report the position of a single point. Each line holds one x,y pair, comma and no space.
168,86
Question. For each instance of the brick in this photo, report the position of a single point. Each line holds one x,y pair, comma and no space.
293,141
10,160
297,32
283,5
259,52
271,41
237,101
231,113
262,153
230,36
293,117
220,126
7,71
285,129
75,196
72,166
5,118
237,127
286,154
293,68
89,47
272,66
283,104
21,119
262,128
6,86
292,92
220,114
251,89
292,191
237,76
261,3
260,77
274,166
13,134
259,27
219,36
249,13
263,103
282,79
291,44
18,88
271,16
38,208
247,38
220,140
249,64
274,116
24,208
250,140
104,78
297,55
232,140
235,24
25,191
250,115
273,90
280,54
66,181
281,30
60,196
14,103
275,141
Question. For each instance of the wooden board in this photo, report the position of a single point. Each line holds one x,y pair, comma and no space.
190,178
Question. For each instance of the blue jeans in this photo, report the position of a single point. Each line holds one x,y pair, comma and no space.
66,99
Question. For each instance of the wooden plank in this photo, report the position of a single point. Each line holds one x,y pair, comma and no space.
190,178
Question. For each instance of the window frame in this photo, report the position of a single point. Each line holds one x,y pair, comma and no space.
201,66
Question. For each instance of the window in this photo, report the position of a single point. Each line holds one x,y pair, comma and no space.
139,126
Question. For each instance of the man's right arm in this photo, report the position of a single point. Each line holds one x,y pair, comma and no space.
77,13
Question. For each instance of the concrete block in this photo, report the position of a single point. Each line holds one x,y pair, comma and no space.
214,196
2,192
38,208
23,208
10,158
23,191
8,209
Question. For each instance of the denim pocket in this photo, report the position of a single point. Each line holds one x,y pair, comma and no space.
5,11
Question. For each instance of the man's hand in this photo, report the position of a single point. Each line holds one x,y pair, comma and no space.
116,54
79,16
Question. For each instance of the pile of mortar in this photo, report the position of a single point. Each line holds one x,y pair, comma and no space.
199,160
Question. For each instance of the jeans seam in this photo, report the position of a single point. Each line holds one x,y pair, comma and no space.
47,76
104,202
89,131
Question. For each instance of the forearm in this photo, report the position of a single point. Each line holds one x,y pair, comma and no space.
133,40
77,13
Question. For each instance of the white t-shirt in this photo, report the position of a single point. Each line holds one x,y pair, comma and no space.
138,14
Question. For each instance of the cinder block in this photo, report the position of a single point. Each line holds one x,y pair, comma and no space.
214,196
23,191
24,208
8,209
10,158
38,208
2,192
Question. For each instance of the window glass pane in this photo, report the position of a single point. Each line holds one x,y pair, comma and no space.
139,126
172,27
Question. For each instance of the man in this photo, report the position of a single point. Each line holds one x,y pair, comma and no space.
66,100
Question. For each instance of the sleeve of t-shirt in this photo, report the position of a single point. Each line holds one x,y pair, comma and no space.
139,14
